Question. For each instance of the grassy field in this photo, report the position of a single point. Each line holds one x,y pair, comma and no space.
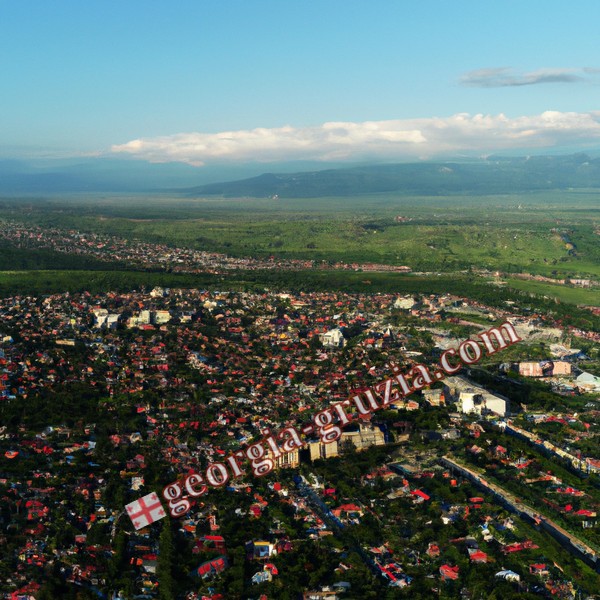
572,295
449,233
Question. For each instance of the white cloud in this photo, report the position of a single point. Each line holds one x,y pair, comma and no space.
384,140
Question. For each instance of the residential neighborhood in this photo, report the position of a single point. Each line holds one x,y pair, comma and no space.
170,380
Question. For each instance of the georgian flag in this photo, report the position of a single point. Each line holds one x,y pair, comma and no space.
146,510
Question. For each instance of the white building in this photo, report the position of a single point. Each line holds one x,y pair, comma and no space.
589,382
404,302
472,398
158,292
100,315
161,317
333,339
365,437
112,320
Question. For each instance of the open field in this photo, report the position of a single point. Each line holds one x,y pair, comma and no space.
573,295
507,233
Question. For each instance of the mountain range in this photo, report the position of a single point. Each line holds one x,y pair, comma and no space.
492,175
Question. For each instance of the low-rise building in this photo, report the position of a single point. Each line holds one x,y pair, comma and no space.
365,437
333,339
161,317
319,449
545,368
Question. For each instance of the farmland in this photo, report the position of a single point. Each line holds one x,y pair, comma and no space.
517,233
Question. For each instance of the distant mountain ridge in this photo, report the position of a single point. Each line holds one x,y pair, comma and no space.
300,179
494,175
106,174
90,175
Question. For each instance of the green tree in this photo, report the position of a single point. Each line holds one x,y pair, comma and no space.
164,569
234,576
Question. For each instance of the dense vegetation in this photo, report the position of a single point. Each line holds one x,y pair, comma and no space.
513,234
12,258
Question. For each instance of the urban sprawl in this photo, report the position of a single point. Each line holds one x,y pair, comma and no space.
469,473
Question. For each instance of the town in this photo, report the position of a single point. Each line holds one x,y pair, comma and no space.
145,255
169,381
299,301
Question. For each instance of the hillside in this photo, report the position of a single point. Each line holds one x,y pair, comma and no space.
494,175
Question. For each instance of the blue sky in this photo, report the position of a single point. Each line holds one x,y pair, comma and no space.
214,81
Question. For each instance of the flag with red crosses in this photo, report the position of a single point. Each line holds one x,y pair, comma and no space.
146,510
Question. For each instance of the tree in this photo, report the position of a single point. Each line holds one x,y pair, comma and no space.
164,569
118,562
234,576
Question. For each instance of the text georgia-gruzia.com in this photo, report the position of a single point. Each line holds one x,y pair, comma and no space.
327,424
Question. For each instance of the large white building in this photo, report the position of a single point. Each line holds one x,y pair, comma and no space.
471,398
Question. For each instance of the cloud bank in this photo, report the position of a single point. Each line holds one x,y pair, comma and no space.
505,77
379,140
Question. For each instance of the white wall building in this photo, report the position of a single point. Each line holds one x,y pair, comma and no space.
333,339
471,398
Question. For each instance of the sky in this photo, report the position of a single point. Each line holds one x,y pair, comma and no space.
235,81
